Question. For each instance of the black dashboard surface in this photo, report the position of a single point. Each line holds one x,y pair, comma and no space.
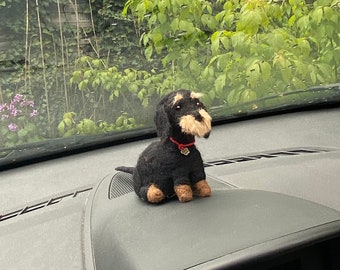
275,180
238,225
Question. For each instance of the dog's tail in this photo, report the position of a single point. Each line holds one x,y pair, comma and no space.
125,169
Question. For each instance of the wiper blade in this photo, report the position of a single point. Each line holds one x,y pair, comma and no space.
299,99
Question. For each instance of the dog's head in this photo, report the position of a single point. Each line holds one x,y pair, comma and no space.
182,110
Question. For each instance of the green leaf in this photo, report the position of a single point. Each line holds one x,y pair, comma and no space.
299,84
326,70
303,23
87,126
233,97
97,63
83,84
304,46
186,26
286,74
301,68
313,76
265,70
148,52
194,65
116,93
67,122
220,82
240,43
132,120
209,21
61,127
133,87
96,83
30,127
222,61
12,136
317,15
291,21
69,115
249,21
162,18
215,36
174,25
215,44
145,102
225,41
22,133
163,5
76,76
69,133
248,95
254,74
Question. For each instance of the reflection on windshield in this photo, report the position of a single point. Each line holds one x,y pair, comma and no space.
87,68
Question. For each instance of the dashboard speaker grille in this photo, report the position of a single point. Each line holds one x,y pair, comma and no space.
120,185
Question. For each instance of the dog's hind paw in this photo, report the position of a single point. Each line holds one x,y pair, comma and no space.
155,195
202,189
184,193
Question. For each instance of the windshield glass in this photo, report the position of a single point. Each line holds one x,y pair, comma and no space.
74,71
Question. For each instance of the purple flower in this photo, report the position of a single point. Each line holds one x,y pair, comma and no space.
15,112
33,113
30,103
12,127
3,107
17,98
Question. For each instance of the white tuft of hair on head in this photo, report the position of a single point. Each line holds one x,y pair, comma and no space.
196,95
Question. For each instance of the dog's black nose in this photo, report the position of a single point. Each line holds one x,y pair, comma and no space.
197,116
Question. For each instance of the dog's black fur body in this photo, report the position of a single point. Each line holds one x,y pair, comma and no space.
180,116
176,169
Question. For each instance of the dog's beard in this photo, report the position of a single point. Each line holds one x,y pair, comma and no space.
190,125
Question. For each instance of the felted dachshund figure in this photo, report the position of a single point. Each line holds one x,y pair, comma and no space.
173,165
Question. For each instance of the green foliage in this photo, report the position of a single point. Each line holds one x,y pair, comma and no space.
129,90
255,48
125,55
69,127
43,44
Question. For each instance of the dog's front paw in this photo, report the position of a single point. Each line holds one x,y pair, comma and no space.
184,193
202,189
155,195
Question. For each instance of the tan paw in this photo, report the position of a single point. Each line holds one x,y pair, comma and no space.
154,194
184,193
202,189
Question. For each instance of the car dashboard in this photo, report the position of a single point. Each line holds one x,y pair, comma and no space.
274,205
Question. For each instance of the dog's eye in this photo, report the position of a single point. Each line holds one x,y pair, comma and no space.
199,104
178,107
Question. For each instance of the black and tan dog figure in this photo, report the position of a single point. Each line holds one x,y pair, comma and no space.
173,165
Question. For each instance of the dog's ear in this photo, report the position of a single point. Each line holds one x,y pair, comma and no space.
162,123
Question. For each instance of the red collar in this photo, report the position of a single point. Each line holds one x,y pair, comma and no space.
180,145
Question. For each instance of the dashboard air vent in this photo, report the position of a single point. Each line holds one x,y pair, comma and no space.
43,204
120,185
267,155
